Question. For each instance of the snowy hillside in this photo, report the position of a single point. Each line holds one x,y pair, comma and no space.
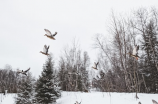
95,98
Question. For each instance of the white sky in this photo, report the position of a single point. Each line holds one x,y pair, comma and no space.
22,25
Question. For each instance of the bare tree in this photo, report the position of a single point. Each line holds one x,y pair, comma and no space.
73,69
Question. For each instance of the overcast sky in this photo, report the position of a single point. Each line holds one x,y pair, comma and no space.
22,25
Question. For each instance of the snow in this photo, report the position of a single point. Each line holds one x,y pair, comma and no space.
7,99
105,98
94,98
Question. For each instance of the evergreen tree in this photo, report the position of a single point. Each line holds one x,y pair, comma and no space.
46,88
25,94
149,45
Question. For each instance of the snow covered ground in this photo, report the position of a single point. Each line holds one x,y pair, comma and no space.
7,99
105,98
94,98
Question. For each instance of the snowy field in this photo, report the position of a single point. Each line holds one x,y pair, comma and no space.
7,99
94,98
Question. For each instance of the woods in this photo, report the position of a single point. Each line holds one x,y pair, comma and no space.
125,73
118,69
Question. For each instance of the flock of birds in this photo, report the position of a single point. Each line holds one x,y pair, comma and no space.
45,50
51,36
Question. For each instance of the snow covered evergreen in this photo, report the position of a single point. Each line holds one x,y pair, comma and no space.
25,91
47,86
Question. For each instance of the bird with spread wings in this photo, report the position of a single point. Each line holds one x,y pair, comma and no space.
135,52
49,34
45,50
95,65
23,72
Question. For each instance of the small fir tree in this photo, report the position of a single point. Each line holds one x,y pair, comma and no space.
46,88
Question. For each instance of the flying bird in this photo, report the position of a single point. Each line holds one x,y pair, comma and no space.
135,52
139,102
95,65
45,50
23,72
154,102
49,34
77,102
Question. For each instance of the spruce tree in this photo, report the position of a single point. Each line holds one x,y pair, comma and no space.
149,45
46,88
25,90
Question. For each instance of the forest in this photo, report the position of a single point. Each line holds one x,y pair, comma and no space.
117,70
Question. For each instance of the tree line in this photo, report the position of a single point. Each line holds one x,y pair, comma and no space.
118,72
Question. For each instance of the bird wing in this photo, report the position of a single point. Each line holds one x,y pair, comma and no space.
154,102
54,33
135,50
27,70
45,48
97,64
48,32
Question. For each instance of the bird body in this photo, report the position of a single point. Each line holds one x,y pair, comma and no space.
45,50
49,34
136,57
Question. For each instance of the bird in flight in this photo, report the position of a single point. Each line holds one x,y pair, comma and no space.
135,52
23,72
77,102
45,50
95,65
154,102
49,34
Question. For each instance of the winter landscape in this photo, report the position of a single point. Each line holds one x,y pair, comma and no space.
79,52
95,98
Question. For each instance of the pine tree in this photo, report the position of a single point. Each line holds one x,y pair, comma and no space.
150,45
25,94
46,88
